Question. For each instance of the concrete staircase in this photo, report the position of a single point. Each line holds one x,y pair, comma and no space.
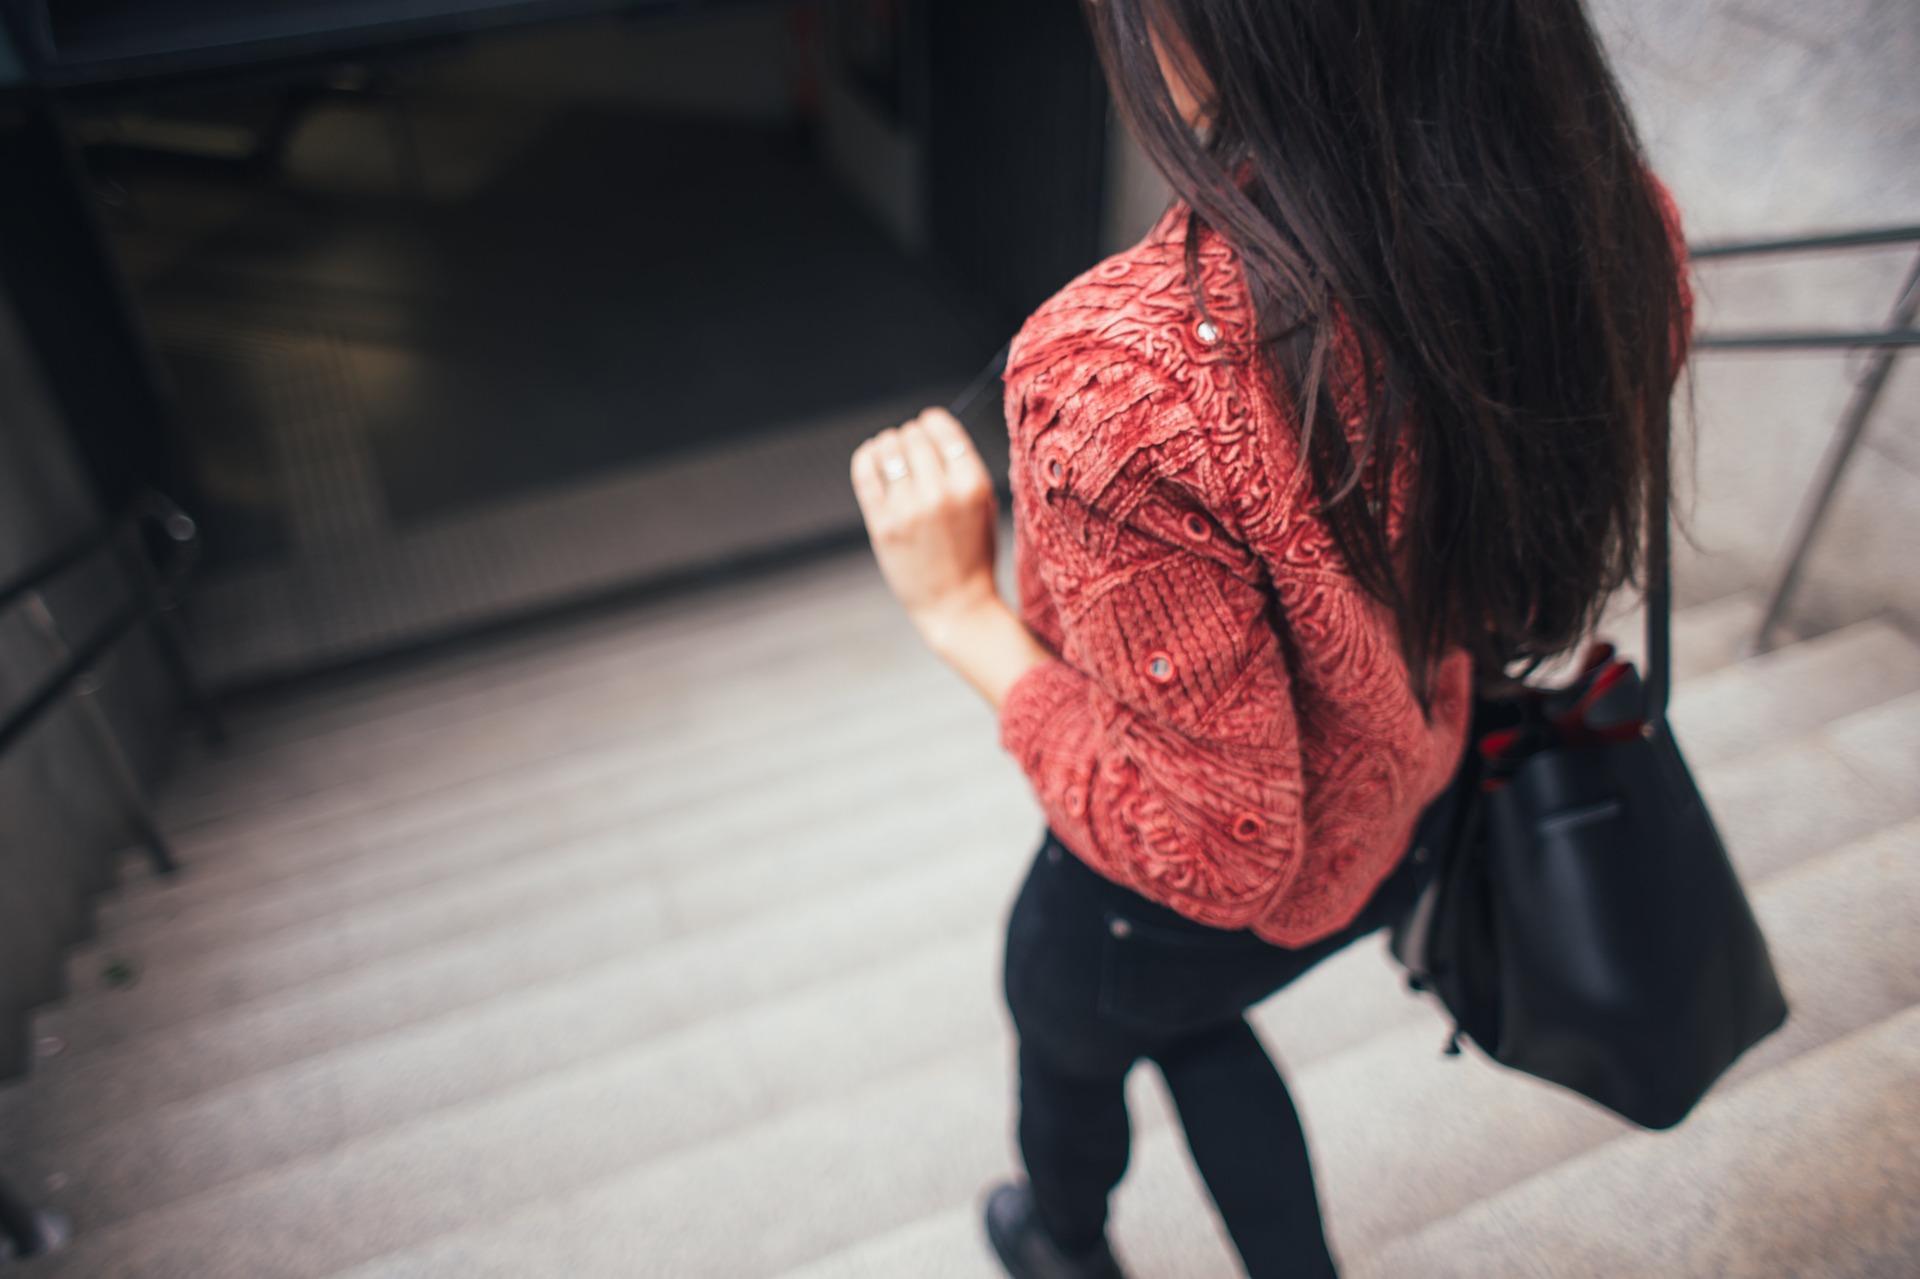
668,945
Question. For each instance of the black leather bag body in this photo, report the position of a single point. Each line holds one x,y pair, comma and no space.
1584,923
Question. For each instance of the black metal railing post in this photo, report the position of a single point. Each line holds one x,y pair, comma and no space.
170,637
26,1230
152,597
1885,346
106,742
1840,449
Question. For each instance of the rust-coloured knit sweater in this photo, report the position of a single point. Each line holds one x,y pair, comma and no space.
1228,727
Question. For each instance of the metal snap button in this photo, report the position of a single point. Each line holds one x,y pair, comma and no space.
1056,470
1120,928
1247,826
1196,527
1159,667
1207,332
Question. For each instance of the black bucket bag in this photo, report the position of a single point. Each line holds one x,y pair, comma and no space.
1583,923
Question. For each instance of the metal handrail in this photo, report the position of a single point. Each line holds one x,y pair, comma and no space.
153,598
1859,239
1885,345
29,1230
174,522
1806,341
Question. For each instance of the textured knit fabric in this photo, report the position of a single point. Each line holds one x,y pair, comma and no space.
1228,727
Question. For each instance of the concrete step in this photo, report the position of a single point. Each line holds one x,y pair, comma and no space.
387,692
1842,913
849,609
259,1122
1849,778
1705,637
641,990
1790,690
1842,774
403,1048
1843,781
1163,1224
584,790
373,768
177,1061
947,1245
293,756
385,697
246,942
292,832
654,703
1402,1137
657,888
353,1120
1809,1170
1403,1143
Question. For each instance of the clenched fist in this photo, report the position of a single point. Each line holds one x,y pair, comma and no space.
930,514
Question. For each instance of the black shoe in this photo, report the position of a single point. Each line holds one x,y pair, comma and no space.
1025,1248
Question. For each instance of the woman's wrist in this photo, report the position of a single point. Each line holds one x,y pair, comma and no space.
957,615
982,639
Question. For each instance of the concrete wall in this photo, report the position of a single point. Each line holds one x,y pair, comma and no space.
476,112
1765,117
1136,193
878,160
61,821
737,64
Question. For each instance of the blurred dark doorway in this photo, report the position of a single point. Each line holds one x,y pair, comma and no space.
460,331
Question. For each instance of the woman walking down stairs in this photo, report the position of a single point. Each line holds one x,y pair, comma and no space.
667,945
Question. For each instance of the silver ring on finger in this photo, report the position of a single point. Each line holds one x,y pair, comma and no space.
956,450
893,468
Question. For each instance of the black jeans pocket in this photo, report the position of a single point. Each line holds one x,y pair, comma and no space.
1177,980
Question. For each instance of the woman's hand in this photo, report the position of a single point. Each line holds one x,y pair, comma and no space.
930,514
929,507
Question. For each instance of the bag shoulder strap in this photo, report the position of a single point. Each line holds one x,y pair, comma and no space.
1659,677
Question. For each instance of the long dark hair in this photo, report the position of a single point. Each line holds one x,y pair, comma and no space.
1459,182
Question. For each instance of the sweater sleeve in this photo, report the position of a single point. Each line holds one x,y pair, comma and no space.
1161,743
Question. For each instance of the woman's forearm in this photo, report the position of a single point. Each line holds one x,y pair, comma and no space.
986,643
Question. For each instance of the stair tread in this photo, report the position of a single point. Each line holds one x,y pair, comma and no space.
585,788
1842,781
1773,805
1479,1130
1824,916
483,970
1818,790
374,1083
1809,1170
1790,690
372,771
851,605
1705,637
612,676
686,852
660,985
303,714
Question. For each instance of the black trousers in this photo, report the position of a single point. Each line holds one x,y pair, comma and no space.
1098,977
